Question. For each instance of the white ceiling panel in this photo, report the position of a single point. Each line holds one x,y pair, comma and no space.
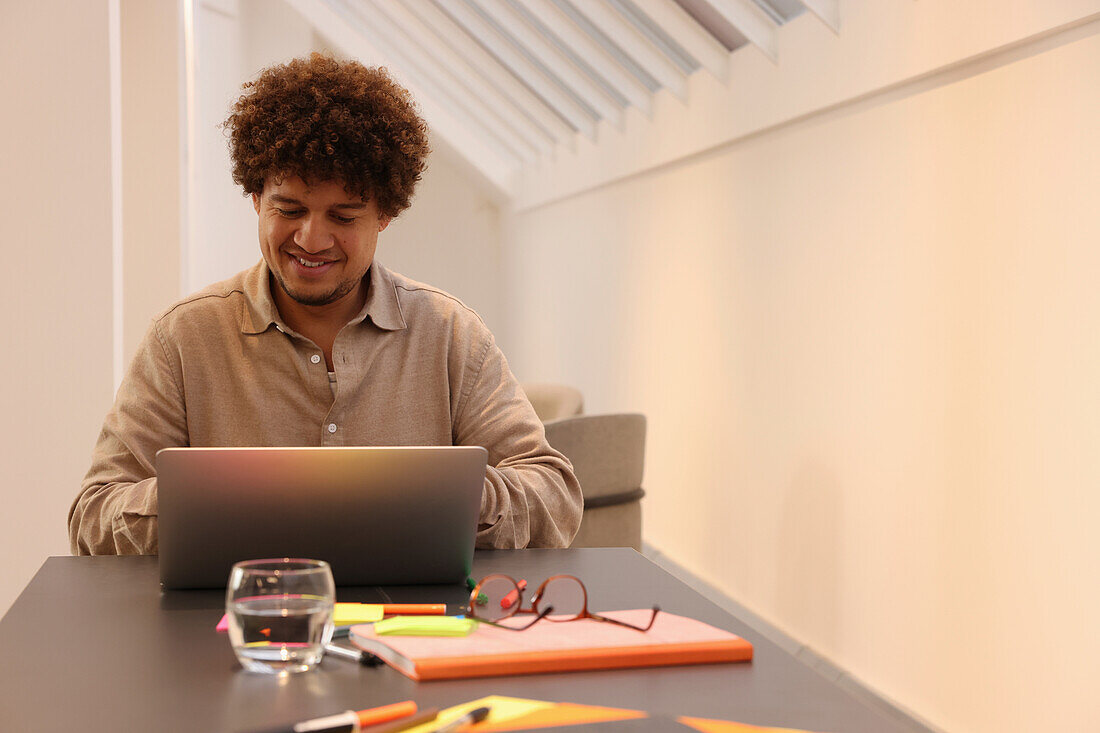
506,82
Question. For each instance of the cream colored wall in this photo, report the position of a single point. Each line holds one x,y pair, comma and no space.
58,151
450,236
867,347
222,238
56,377
152,160
234,40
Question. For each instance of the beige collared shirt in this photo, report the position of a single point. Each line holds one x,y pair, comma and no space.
415,367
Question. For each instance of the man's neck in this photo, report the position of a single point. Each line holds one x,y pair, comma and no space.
320,323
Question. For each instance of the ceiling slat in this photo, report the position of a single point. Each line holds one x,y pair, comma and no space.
445,82
531,75
459,73
554,60
684,29
453,36
827,10
633,43
377,28
602,63
752,22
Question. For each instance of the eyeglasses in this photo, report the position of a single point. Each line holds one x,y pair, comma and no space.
559,598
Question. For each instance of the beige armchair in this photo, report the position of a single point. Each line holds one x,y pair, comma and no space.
608,455
554,401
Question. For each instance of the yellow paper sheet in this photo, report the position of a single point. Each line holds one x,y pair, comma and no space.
501,709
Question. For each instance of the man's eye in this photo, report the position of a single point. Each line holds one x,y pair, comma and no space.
289,213
343,219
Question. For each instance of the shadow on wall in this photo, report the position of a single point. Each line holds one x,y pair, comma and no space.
808,553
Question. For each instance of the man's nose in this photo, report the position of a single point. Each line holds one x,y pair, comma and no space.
312,236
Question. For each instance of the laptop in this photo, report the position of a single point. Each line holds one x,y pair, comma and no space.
378,516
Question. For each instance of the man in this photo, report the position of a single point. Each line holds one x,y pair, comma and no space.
319,344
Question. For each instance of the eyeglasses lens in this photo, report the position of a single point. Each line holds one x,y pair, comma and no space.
566,595
489,604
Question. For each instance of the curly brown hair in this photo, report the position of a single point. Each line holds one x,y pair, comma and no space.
324,119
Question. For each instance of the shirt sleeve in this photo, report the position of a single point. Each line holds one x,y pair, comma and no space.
115,512
532,497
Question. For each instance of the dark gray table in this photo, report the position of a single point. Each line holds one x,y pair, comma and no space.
92,644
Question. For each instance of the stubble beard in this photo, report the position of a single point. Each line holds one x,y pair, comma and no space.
317,299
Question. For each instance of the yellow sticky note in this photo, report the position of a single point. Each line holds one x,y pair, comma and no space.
346,614
503,709
425,626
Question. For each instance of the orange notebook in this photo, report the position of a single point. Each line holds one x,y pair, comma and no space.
556,647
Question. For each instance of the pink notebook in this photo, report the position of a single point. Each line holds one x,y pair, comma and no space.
556,646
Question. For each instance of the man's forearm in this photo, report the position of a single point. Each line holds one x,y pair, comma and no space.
530,505
115,512
115,519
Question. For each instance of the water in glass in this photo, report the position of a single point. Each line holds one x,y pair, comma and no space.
279,633
280,613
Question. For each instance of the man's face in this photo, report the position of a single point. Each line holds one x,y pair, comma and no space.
318,240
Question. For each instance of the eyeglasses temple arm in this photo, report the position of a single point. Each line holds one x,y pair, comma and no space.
542,614
647,627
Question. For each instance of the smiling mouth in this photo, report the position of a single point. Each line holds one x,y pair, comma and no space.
311,264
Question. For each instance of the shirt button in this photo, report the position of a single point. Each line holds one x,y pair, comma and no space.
315,359
332,427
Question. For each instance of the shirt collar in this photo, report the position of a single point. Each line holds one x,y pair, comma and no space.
260,312
382,304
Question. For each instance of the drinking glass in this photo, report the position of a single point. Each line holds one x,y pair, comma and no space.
280,613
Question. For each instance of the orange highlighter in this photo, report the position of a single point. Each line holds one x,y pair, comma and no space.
351,721
415,609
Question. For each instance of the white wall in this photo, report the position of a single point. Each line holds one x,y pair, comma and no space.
153,149
56,377
450,236
222,240
866,344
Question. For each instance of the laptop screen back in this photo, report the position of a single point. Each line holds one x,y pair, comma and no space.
378,516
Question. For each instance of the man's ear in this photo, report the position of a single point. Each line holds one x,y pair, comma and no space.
384,222
256,202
